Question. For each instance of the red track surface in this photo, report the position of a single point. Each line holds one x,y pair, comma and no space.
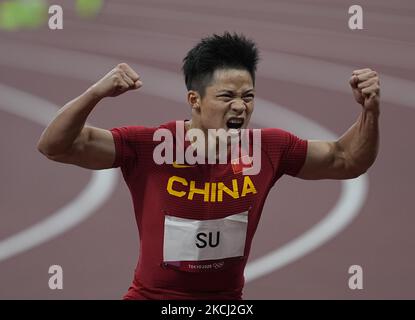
98,256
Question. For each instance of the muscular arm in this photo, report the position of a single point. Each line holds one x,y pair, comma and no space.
68,140
356,150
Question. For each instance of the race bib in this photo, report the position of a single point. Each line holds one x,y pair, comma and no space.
198,240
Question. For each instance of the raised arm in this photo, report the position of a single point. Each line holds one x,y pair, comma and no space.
67,139
356,150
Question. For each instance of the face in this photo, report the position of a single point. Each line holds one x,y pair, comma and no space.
228,101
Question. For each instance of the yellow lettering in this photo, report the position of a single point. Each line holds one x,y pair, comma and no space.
194,190
213,192
170,186
233,193
248,187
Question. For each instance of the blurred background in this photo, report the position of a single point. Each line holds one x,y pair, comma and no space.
311,232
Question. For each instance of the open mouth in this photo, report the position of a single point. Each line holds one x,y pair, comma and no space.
235,123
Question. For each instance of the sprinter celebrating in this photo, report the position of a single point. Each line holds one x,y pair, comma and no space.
197,220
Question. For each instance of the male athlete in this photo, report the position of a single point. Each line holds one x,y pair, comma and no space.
196,221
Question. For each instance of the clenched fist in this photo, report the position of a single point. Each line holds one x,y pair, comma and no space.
119,80
366,88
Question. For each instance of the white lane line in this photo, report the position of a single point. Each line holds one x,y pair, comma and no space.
274,65
204,15
331,76
348,206
335,42
170,86
92,197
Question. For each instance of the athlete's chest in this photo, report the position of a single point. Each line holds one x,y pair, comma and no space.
207,191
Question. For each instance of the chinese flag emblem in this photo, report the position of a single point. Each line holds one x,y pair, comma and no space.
240,163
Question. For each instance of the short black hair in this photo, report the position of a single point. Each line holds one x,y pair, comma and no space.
218,52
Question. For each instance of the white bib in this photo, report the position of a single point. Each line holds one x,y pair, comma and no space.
197,240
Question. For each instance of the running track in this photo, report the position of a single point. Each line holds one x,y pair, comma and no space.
311,231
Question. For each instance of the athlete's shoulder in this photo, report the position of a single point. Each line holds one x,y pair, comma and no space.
135,133
272,132
275,136
172,125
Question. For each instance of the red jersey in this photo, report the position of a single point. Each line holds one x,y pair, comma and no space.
196,222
